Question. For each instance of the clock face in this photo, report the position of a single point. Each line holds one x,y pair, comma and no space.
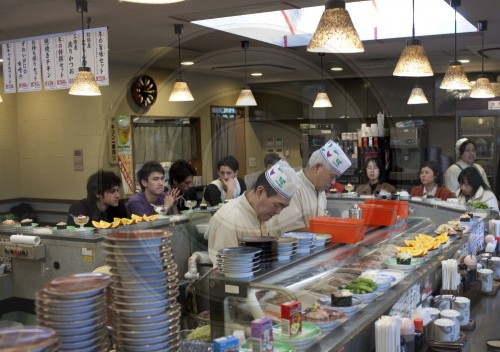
144,91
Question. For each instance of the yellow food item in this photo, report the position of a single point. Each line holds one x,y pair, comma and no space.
417,252
96,224
153,217
104,224
137,218
410,243
124,221
131,221
117,222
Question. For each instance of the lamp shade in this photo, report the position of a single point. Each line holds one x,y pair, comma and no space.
246,98
417,96
84,83
322,101
413,61
335,32
153,2
455,77
482,88
181,92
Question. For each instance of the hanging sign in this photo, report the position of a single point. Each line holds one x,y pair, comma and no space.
124,151
52,61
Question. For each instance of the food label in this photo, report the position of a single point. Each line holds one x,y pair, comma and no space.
291,318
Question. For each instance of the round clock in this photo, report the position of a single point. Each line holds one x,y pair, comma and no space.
144,91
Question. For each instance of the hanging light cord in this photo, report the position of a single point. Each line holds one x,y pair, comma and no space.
179,46
413,12
245,67
455,34
84,59
321,65
482,53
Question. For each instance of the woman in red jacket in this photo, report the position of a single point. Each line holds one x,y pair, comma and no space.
431,178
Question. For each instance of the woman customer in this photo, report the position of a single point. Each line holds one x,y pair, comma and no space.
374,176
466,153
228,186
431,179
473,188
103,199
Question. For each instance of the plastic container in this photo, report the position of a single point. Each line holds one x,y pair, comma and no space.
402,205
343,230
379,215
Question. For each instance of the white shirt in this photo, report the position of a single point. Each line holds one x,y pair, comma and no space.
234,220
481,195
307,203
451,175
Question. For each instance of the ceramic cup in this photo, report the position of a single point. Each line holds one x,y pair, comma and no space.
494,264
455,317
486,277
444,330
462,305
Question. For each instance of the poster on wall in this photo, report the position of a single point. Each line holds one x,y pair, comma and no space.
124,152
9,68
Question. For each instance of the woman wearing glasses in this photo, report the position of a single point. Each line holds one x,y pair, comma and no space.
374,176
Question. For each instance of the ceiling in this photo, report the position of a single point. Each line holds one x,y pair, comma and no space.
146,32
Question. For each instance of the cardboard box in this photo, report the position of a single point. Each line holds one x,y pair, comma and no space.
226,344
262,331
291,318
342,230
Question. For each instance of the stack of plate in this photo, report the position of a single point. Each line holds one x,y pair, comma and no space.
145,286
75,306
307,241
269,246
287,246
238,262
322,239
29,338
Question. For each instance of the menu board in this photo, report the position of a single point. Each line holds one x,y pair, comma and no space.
52,61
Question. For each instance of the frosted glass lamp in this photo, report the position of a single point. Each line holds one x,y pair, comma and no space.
85,83
413,61
335,32
322,101
482,88
181,92
417,96
246,98
455,78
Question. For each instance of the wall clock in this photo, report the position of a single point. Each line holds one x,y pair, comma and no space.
144,91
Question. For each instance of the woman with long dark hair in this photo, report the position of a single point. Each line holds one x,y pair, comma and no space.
473,188
374,176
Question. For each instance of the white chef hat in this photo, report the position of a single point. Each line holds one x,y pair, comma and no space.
458,144
335,157
283,179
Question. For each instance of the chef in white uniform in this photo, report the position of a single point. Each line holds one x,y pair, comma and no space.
250,214
323,167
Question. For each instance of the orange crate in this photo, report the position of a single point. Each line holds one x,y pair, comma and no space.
342,230
379,215
402,205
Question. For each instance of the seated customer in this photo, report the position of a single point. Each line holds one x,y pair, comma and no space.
228,186
432,181
151,178
269,160
180,176
253,213
374,176
473,188
103,199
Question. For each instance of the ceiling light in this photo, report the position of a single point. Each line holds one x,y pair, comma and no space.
246,97
256,74
181,90
464,61
322,100
1,99
84,83
335,32
417,96
187,63
337,69
153,2
482,88
455,77
413,61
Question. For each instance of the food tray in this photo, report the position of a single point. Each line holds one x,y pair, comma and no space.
469,327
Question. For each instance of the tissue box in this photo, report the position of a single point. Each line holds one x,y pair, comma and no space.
291,318
226,344
262,331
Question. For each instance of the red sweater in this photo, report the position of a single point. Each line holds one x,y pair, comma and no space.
442,192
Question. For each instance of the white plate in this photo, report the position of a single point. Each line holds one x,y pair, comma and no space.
349,311
241,276
394,275
365,297
391,264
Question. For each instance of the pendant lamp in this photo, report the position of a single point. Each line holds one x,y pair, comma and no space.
181,90
246,97
335,32
322,100
417,96
413,61
84,83
482,88
153,2
455,77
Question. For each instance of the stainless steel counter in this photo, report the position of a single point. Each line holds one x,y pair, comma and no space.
486,314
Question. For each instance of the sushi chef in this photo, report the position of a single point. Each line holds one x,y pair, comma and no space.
251,214
323,168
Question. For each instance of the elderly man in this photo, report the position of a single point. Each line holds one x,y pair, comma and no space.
323,167
250,214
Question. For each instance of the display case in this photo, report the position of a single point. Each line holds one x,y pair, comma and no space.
310,278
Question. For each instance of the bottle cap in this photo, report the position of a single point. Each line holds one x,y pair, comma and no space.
419,323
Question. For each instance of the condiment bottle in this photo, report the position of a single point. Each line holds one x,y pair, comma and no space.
408,334
419,340
465,276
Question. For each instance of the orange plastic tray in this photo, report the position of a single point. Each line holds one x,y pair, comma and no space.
379,215
342,230
402,205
